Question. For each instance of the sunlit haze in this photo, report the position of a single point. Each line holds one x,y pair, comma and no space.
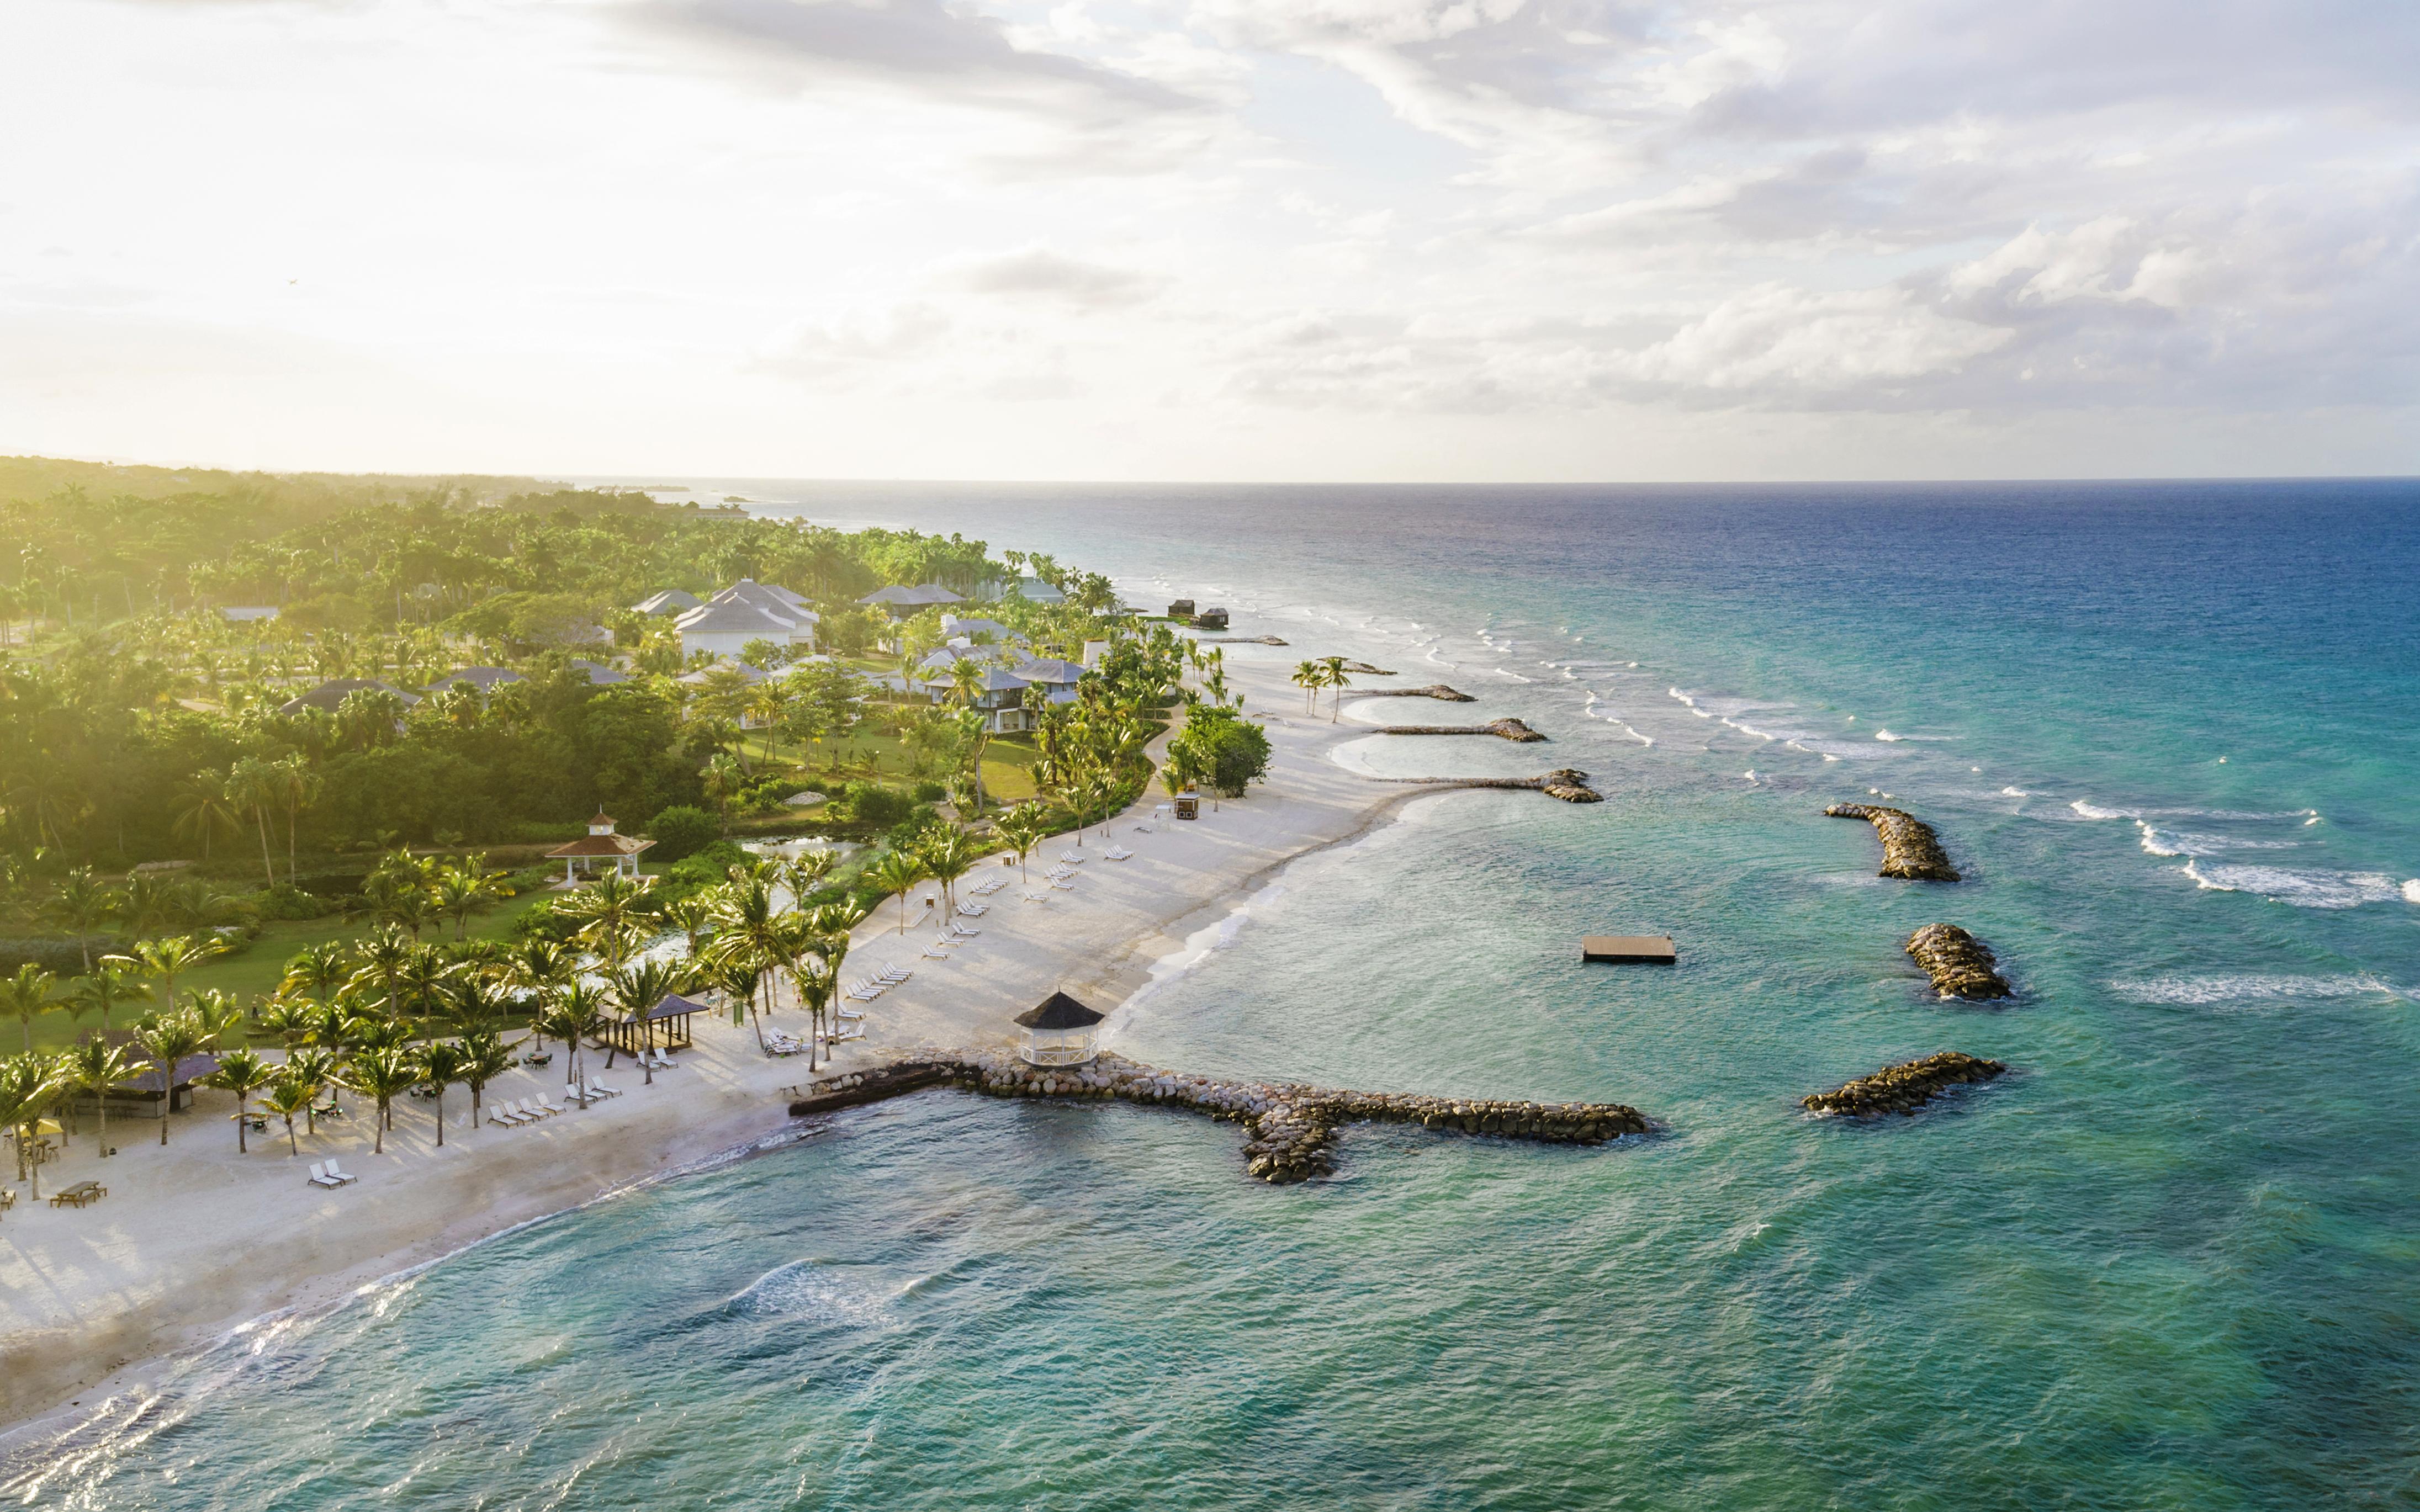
1216,240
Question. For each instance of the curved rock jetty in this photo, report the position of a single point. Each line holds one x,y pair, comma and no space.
1362,669
1507,729
1960,964
1434,690
1568,784
1288,1128
1904,1088
1910,851
1239,640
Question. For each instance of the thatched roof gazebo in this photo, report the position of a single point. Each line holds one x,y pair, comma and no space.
1060,1031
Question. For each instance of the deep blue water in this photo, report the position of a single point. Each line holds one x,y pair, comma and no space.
2170,731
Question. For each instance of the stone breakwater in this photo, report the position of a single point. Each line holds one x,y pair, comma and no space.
1506,729
1568,784
1904,1088
1289,1128
1910,850
1434,690
1960,964
1239,640
1362,669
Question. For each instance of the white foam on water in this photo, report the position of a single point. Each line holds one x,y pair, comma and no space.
2252,987
2190,842
1884,734
2300,888
2014,792
2411,890
818,1291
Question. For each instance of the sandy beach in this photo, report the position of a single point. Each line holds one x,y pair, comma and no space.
194,1240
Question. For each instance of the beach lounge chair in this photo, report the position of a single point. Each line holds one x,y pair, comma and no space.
1064,884
1118,853
893,976
513,1113
572,1091
972,910
545,1106
847,1031
319,1176
1072,858
848,1015
341,1177
600,1089
1037,897
935,953
536,1107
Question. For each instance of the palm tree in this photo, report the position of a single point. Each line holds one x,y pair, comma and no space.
284,1019
816,985
288,1095
606,913
27,996
29,1084
439,1064
485,1057
897,871
296,787
165,959
735,977
1023,827
217,1013
749,927
254,787
203,811
242,1072
317,969
1333,668
166,1041
423,978
577,1012
537,965
462,890
381,955
315,1066
1310,678
81,903
636,989
94,1066
381,1073
947,856
117,979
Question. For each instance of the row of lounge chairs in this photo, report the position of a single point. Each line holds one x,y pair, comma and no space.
984,889
324,1173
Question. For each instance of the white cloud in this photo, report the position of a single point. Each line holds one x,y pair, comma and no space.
1772,336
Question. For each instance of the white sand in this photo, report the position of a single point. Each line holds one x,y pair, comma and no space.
195,1239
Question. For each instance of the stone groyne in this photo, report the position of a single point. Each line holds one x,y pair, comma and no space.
1362,669
1506,729
1960,964
1568,784
1904,1088
1239,640
1289,1128
1910,851
1434,690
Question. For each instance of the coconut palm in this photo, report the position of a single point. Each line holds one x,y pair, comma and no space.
94,1066
288,1095
439,1065
295,787
537,966
816,984
254,787
117,979
315,1066
317,969
166,1042
735,977
948,854
380,1073
217,1011
608,912
242,1072
81,904
576,1012
169,958
1310,677
897,871
749,927
1334,677
381,957
29,1086
422,979
26,996
462,890
287,1020
485,1057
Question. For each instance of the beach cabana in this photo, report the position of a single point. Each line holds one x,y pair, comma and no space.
145,1084
1060,1031
667,1023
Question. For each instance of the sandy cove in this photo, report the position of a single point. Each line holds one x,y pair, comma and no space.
195,1239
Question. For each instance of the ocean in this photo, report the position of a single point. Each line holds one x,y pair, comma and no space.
2170,732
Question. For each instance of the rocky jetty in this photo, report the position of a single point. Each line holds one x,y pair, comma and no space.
1960,964
1507,729
1568,784
1910,850
1904,1088
1362,669
1434,690
1239,640
1289,1128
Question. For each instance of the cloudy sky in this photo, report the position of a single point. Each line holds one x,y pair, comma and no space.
1456,240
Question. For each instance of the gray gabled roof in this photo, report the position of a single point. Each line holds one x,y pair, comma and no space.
477,678
597,673
916,597
1050,670
734,617
328,695
773,599
670,601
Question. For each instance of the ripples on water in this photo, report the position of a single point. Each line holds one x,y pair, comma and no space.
2170,1262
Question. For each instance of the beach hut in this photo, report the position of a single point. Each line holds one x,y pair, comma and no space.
1060,1031
667,1023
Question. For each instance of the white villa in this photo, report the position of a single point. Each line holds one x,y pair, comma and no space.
747,610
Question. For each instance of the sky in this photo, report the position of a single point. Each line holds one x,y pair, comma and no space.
1455,240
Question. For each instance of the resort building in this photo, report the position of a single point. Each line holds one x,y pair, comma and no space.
903,603
241,613
597,673
1034,591
745,612
599,851
480,680
670,601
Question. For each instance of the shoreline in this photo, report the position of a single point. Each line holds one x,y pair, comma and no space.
96,1300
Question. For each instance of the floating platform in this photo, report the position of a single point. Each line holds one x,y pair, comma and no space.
1647,950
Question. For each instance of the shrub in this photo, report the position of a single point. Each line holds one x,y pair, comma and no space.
871,803
285,901
681,829
930,793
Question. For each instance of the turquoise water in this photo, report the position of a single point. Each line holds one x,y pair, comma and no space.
2173,1261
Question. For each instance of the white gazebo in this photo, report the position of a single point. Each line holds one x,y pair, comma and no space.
620,852
1061,1032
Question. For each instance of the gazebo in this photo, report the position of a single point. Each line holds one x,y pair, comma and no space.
621,852
631,1035
1060,1032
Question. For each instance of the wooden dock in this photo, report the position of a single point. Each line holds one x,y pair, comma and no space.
1650,949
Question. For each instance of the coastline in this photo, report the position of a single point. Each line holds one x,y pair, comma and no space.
95,1300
